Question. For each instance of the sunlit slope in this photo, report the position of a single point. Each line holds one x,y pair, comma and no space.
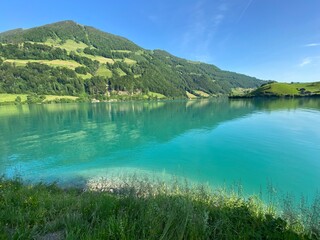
288,89
78,59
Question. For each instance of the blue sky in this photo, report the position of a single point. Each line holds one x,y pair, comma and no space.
269,39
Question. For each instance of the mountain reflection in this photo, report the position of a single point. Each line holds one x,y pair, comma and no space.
47,136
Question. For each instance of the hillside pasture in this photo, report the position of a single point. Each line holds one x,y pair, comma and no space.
129,61
104,72
7,97
156,95
54,97
201,93
10,98
53,63
190,95
121,51
100,59
291,89
69,45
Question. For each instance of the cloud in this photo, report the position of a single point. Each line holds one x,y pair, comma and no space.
218,19
245,10
314,61
305,61
312,45
204,19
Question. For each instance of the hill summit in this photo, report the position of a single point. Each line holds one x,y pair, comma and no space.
67,58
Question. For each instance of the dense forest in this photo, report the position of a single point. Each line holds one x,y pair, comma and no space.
66,58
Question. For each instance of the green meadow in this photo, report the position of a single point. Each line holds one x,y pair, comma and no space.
156,95
69,45
11,98
104,71
7,97
289,89
143,209
53,63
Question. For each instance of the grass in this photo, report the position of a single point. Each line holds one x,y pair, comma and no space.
120,72
190,95
84,76
134,96
118,59
69,45
241,91
129,61
289,89
137,75
121,51
201,93
139,52
100,59
156,95
126,60
7,97
10,98
142,209
54,97
53,63
104,72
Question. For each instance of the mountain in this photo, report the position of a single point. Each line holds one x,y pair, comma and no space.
66,58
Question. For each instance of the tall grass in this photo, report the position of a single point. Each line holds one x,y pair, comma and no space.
144,208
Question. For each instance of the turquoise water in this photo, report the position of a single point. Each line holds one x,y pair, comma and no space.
219,142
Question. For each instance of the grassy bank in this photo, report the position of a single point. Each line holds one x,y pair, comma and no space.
289,89
18,99
144,210
276,89
9,99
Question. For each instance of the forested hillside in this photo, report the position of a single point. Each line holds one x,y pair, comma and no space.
67,58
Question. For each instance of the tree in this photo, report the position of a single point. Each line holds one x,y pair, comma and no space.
17,101
81,70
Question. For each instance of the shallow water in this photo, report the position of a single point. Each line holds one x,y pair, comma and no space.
257,143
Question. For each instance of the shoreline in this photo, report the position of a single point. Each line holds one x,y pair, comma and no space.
191,212
274,97
94,101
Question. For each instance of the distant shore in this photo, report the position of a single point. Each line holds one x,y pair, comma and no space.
280,90
22,99
273,96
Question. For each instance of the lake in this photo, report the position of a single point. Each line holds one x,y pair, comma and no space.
219,142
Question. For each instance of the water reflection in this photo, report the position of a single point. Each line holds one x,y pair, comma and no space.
43,141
